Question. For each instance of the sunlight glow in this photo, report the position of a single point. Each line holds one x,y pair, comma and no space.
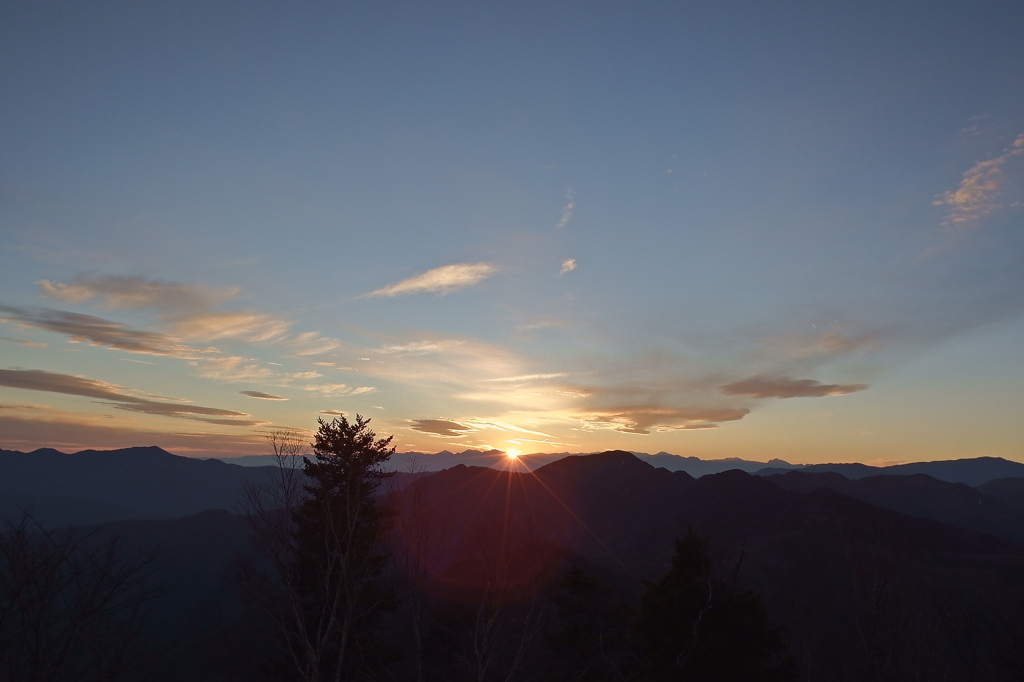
512,454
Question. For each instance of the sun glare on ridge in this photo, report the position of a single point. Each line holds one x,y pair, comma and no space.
512,453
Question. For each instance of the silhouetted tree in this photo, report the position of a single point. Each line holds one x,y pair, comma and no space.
593,640
71,608
320,541
695,627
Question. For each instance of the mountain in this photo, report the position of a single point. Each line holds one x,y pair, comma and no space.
972,472
828,565
94,486
897,556
697,467
1009,491
422,461
920,496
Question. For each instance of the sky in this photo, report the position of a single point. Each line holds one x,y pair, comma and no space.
728,229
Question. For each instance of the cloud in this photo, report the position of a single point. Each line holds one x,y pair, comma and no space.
568,265
442,280
261,395
247,325
312,343
336,413
502,426
233,368
71,432
337,389
566,210
825,344
641,419
441,427
135,293
68,384
759,387
100,332
545,322
976,195
22,342
528,377
188,311
23,406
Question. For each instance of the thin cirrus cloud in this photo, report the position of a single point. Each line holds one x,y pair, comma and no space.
976,195
261,395
760,387
449,428
567,210
526,377
443,280
188,311
135,293
337,389
68,384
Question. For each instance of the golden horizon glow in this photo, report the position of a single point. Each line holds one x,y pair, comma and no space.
512,453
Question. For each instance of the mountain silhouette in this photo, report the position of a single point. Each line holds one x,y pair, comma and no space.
94,486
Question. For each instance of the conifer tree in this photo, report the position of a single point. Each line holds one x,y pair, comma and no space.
695,627
340,528
319,534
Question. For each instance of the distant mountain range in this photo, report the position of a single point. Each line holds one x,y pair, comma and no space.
973,472
810,540
95,486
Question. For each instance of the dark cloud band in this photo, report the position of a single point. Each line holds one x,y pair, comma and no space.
53,382
759,387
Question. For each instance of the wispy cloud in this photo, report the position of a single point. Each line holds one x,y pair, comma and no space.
22,342
976,195
261,395
100,332
527,377
248,325
188,311
233,368
444,428
68,384
760,387
136,293
567,210
75,431
337,389
568,265
821,345
641,419
442,280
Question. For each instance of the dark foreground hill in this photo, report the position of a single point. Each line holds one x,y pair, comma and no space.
830,567
923,497
860,591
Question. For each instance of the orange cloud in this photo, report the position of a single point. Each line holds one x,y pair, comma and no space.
442,280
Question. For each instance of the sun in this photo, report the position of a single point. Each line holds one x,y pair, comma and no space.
512,454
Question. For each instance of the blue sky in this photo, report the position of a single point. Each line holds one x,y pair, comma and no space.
726,229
